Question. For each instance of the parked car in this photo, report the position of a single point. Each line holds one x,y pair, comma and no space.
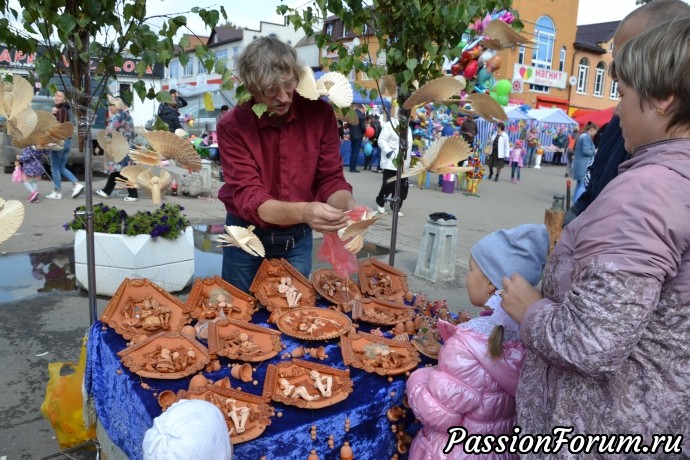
40,102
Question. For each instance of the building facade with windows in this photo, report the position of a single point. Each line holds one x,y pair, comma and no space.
567,66
592,59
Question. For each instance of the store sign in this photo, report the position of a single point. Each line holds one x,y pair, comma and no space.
539,76
15,58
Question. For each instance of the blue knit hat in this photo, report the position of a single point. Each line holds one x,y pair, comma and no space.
522,249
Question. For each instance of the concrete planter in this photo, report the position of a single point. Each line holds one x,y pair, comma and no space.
168,263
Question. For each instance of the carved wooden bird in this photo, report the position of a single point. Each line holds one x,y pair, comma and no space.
435,90
333,85
442,157
243,238
166,145
47,134
11,218
354,233
115,145
499,35
15,106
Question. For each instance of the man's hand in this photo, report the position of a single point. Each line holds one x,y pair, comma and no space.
518,295
324,218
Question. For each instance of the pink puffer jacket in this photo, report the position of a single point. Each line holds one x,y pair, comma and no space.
466,389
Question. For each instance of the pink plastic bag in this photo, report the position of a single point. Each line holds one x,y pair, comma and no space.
333,249
18,175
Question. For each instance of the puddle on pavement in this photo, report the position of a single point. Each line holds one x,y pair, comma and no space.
29,274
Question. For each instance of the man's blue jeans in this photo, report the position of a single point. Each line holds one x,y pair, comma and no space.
294,245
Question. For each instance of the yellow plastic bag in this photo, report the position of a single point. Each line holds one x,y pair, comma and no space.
63,404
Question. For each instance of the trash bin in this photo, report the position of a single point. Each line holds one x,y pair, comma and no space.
448,183
436,259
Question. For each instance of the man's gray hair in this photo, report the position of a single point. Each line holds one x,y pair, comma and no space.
265,62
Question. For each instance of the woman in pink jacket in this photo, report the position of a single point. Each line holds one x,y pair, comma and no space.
473,387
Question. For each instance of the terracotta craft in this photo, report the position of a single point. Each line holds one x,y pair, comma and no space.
243,341
340,291
384,313
204,300
313,323
279,286
246,415
378,354
306,384
167,355
140,308
380,280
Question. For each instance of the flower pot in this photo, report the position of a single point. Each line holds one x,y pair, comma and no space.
168,263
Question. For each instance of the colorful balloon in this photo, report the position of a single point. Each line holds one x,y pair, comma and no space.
369,132
503,100
368,149
503,87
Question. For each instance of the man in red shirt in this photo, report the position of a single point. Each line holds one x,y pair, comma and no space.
283,171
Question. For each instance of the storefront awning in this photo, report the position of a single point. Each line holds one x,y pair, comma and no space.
548,102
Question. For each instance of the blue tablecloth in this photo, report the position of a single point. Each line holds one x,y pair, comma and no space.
126,410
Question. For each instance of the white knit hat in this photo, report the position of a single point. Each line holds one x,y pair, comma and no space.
191,429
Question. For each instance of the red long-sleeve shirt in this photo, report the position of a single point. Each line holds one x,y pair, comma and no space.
296,161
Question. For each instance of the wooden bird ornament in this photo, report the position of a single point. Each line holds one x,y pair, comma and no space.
115,145
243,238
442,157
498,35
47,134
332,85
15,106
11,218
354,233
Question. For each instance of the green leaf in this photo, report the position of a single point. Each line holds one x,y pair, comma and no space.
259,109
411,64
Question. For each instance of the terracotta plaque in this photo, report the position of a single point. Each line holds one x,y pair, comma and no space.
305,384
384,313
212,297
335,289
378,355
168,355
140,309
243,341
313,323
380,280
279,286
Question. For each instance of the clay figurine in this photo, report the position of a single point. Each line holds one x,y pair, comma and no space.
323,383
289,291
293,391
239,421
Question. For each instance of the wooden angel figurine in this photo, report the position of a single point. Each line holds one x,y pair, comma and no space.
155,184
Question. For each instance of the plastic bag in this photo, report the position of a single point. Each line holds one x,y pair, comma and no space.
18,175
63,404
333,249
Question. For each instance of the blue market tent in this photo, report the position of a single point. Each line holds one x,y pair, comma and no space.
514,113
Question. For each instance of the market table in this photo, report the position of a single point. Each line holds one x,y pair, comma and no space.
126,409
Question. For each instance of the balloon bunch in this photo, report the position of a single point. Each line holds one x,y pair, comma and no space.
478,61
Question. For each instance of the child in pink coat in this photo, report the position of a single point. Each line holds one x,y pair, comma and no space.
473,387
516,158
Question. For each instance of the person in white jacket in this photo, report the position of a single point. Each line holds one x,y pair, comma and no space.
389,143
500,146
